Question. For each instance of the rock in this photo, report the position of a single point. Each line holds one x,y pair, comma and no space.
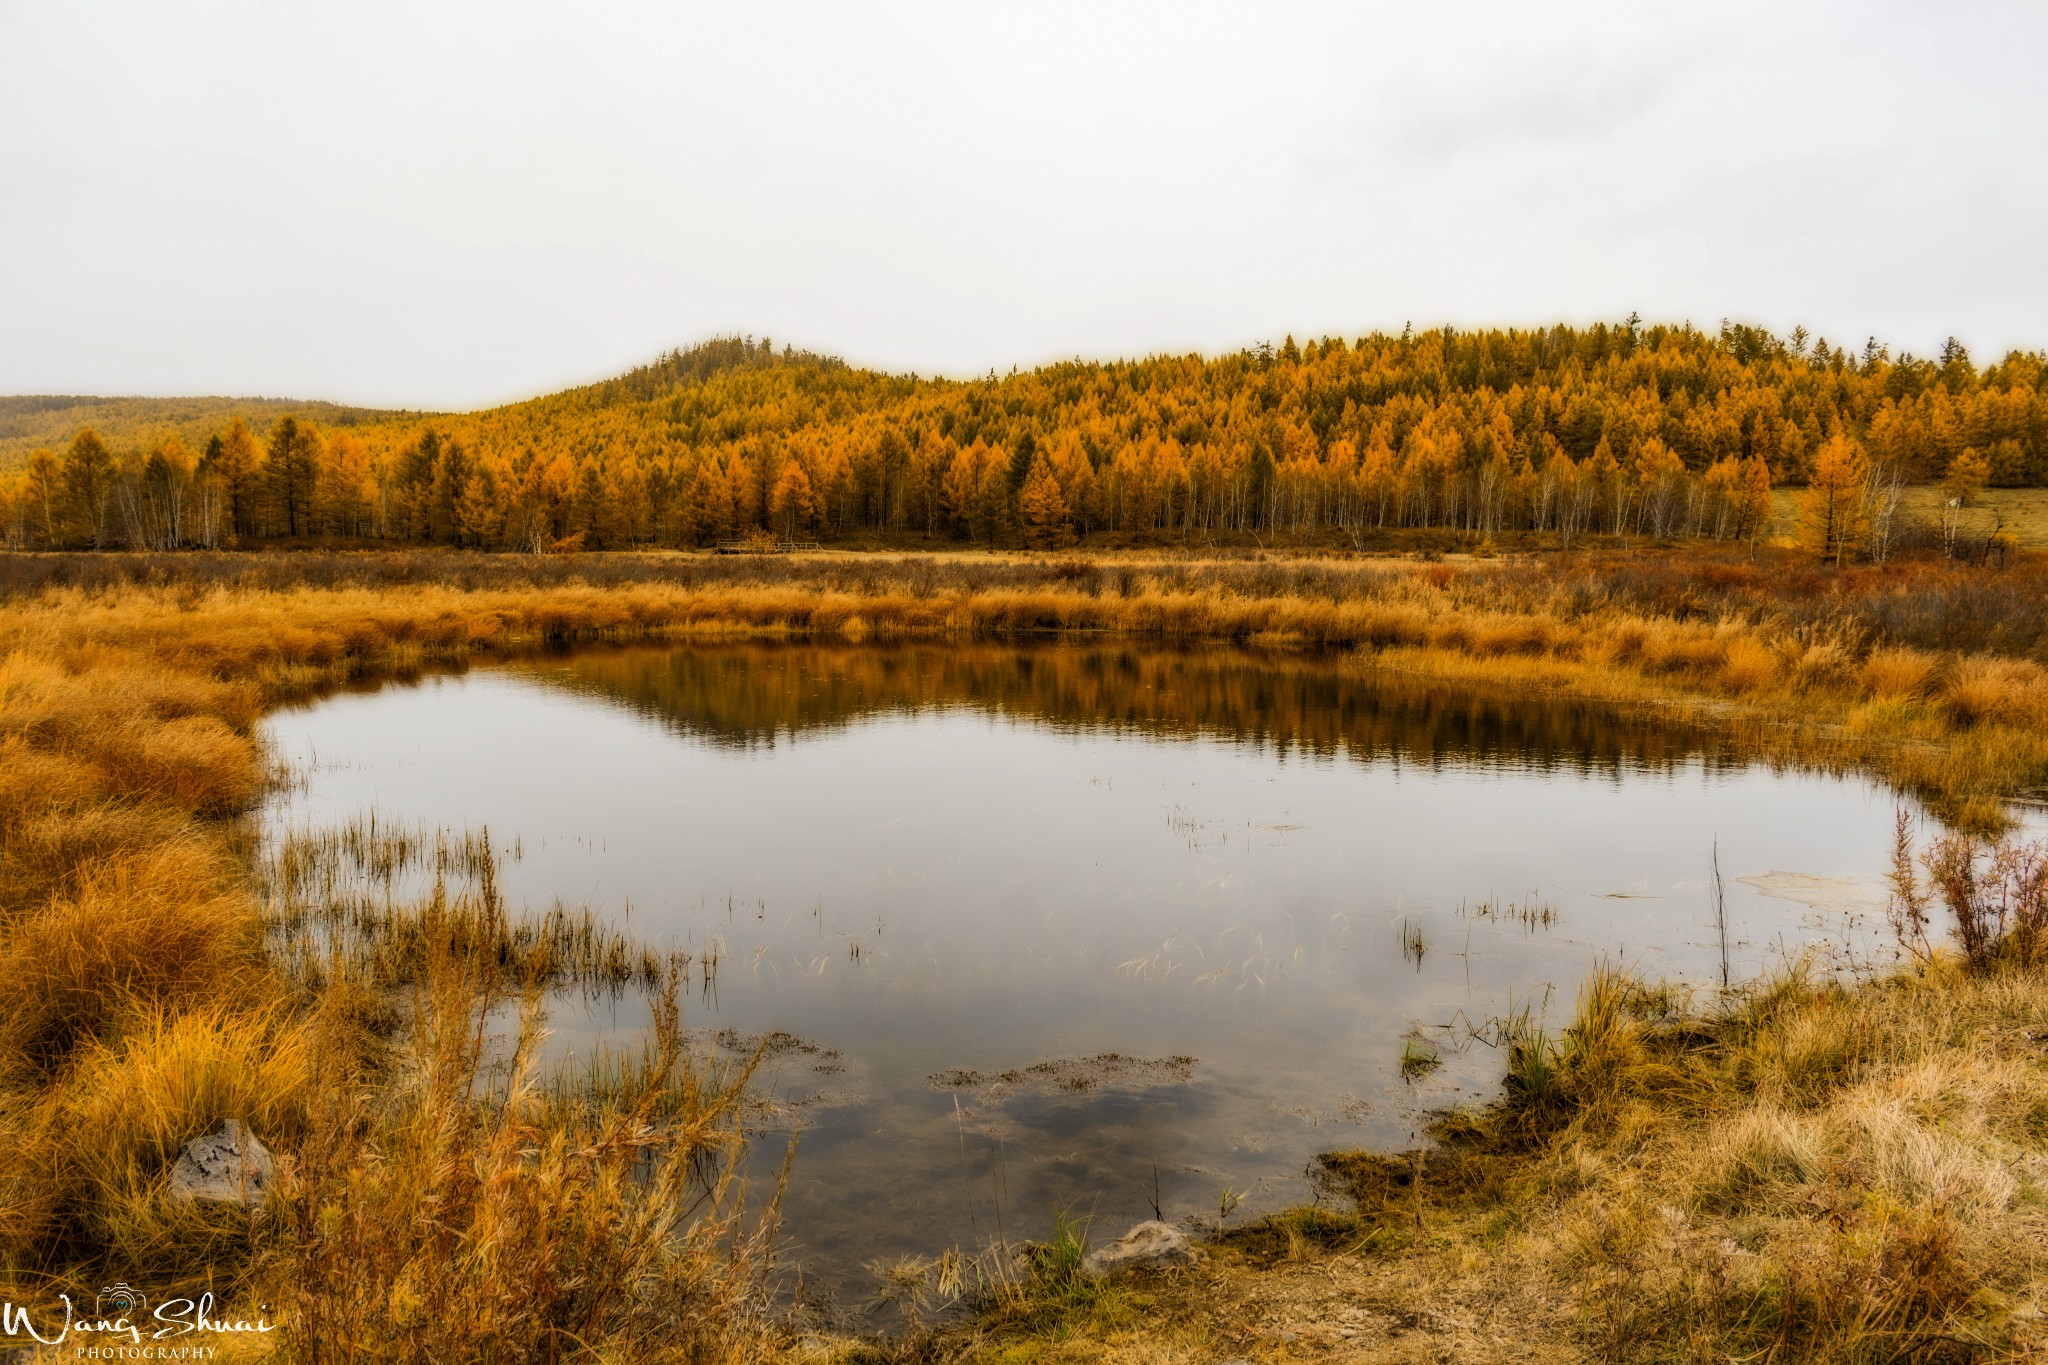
227,1166
1148,1244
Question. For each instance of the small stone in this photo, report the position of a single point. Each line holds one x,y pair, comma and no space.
226,1166
1148,1244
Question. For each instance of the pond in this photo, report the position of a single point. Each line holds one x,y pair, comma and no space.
1090,929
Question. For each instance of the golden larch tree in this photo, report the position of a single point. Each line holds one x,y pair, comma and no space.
1834,517
1042,509
791,504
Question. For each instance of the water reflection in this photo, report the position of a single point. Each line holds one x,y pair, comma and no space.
752,694
1033,928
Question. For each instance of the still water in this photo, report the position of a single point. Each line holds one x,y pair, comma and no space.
1075,928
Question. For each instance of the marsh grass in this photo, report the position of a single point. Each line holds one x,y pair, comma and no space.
1531,912
964,1301
461,1203
1995,892
1420,1058
1413,948
1801,1171
373,902
455,1195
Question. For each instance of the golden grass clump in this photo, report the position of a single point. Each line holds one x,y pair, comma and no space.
1899,672
1750,666
2012,691
139,933
135,1104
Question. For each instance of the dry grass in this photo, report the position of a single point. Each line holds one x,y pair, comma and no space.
427,1170
1811,1173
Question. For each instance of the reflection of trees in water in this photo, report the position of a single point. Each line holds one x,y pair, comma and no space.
743,695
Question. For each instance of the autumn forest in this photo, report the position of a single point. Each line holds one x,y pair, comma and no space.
1660,432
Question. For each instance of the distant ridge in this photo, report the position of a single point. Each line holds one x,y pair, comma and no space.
30,422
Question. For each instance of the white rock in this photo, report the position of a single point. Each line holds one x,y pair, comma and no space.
1147,1244
226,1166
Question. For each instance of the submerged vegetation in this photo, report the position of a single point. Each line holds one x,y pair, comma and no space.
1803,1169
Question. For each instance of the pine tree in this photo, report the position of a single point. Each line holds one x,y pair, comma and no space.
451,473
1965,477
414,485
479,514
1753,505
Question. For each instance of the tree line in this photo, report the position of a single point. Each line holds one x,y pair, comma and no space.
1609,430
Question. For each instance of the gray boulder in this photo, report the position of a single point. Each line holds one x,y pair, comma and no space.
1148,1244
226,1166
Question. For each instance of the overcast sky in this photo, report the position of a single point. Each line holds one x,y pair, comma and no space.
451,204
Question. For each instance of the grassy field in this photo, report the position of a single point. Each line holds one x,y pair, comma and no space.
2021,513
146,1002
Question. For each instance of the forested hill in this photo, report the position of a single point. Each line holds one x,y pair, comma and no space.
49,421
1611,429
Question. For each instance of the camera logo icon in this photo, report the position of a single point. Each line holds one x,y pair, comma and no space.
119,1301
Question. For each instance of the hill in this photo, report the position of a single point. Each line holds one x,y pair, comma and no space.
49,421
1569,433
